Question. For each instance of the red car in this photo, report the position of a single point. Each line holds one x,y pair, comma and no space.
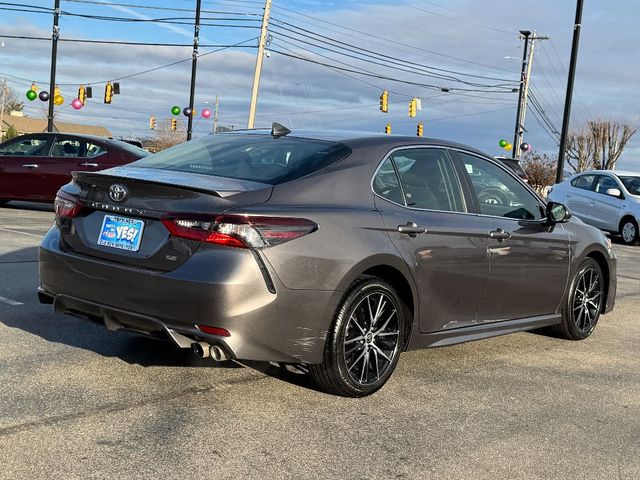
33,167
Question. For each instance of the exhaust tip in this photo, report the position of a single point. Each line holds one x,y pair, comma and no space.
201,349
218,354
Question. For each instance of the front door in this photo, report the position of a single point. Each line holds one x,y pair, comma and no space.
606,208
20,162
529,260
426,216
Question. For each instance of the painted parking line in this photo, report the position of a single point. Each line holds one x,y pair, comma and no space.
22,233
8,301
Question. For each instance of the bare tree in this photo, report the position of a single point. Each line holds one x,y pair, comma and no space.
599,145
540,170
11,101
164,137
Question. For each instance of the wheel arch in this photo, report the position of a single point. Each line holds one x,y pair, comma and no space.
394,271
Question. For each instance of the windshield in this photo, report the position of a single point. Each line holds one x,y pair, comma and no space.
258,158
632,184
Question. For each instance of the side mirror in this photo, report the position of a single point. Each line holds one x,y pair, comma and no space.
557,213
614,192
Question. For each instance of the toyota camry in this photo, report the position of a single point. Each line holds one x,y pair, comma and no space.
332,250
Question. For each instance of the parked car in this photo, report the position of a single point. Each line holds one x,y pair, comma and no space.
605,199
33,167
333,250
514,164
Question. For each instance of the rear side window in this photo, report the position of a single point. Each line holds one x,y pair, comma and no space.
583,181
428,179
32,147
258,158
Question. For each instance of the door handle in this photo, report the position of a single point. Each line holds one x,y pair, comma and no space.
411,229
500,235
88,164
30,165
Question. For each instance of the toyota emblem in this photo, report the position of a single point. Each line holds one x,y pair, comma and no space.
117,193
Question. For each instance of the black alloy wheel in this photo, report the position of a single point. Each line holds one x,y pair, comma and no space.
584,303
365,341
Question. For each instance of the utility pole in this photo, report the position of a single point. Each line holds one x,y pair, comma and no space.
54,55
569,96
215,114
523,97
194,65
256,76
2,100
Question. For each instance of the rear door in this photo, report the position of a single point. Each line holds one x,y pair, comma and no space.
20,164
68,154
420,197
579,196
529,261
606,208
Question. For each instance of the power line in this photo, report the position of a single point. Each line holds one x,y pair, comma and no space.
143,72
369,36
387,57
118,42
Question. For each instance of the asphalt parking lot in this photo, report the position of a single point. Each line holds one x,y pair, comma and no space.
77,401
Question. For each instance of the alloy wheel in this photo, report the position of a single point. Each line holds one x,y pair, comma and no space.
372,337
587,300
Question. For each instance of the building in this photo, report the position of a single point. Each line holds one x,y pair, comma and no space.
24,125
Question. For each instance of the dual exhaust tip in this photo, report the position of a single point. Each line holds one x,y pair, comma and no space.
205,350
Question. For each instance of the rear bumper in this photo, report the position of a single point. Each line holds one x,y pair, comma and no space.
285,326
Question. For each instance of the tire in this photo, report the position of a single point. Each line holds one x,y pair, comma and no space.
493,197
584,303
629,231
360,354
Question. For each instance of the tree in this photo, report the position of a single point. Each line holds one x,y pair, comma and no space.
10,133
164,137
599,145
11,102
540,170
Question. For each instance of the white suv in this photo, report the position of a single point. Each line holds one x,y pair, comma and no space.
605,199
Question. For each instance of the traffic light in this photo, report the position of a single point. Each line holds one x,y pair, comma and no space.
89,92
384,101
174,124
82,94
152,122
108,93
387,129
413,107
420,130
34,87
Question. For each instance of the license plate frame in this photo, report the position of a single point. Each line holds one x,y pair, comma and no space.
116,233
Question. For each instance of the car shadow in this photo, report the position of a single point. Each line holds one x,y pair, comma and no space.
33,206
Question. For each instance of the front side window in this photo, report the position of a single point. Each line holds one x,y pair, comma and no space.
31,147
583,181
604,183
498,193
428,179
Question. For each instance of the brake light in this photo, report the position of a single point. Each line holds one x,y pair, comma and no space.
241,231
66,205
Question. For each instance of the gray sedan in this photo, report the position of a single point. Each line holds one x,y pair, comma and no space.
336,251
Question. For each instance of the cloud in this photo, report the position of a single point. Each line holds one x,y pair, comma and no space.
605,84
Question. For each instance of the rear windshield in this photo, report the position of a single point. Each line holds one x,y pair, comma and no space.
258,158
515,166
130,148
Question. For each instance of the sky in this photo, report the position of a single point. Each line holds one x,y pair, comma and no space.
412,48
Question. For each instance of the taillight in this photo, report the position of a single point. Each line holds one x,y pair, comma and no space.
66,205
241,231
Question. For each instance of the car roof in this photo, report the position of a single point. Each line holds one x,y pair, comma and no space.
619,173
352,138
